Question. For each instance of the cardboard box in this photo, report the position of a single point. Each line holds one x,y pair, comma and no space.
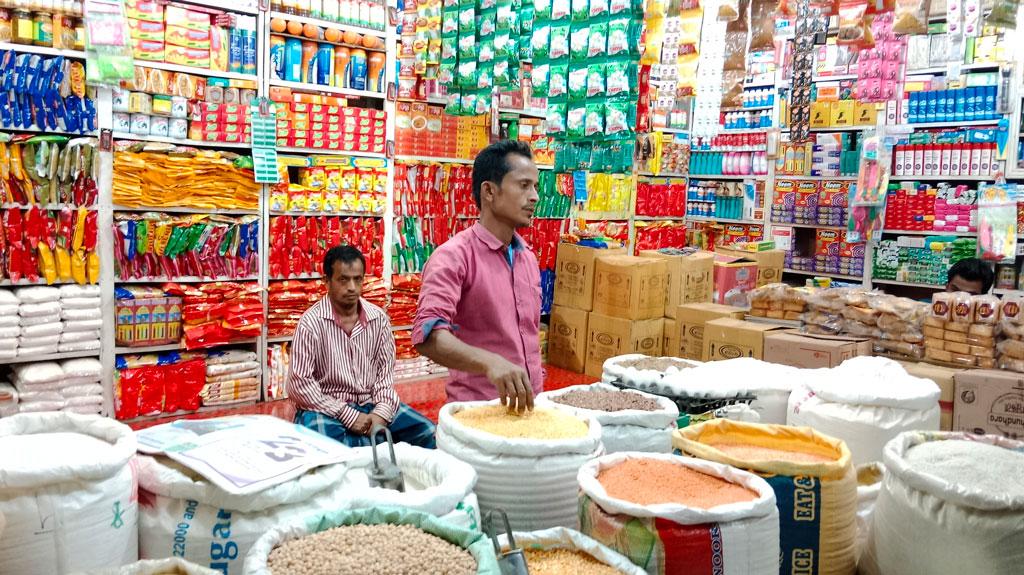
689,328
729,338
670,339
812,352
989,401
689,278
944,378
734,278
613,336
629,287
567,338
574,276
769,263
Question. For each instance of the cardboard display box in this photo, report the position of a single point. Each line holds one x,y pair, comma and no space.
629,287
769,263
729,338
670,338
812,352
567,338
613,336
989,401
944,378
734,279
687,339
690,278
574,276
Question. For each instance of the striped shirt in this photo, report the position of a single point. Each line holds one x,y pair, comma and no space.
331,369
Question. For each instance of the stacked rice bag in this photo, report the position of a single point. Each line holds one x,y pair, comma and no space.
231,377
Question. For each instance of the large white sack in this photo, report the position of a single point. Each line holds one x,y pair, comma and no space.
865,401
533,480
563,538
748,532
68,493
769,383
183,515
869,485
614,369
925,525
628,429
171,566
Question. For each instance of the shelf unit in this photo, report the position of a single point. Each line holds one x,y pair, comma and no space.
824,275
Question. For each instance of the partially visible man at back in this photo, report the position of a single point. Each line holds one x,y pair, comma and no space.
970,275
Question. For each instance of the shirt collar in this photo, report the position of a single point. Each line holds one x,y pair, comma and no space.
494,243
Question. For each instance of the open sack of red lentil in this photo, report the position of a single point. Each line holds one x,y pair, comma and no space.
865,401
559,551
814,482
525,464
767,384
951,503
375,540
672,514
630,420
641,371
170,566
67,493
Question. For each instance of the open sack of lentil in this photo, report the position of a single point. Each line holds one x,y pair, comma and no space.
380,540
814,482
67,493
951,503
435,483
561,551
630,420
170,566
765,385
865,401
525,464
182,514
642,371
672,514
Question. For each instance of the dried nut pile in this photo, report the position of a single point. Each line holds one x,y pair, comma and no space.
748,452
601,400
656,363
654,481
537,424
370,550
565,562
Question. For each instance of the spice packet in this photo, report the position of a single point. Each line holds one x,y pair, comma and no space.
559,81
595,80
578,45
559,42
598,40
575,121
540,76
617,79
618,36
556,119
577,82
594,125
540,41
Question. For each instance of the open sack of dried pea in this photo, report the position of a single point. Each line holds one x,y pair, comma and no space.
561,551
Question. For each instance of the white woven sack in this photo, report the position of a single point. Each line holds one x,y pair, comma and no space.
185,516
770,383
869,484
171,566
33,373
9,336
628,429
7,297
749,530
613,370
9,309
76,291
81,314
533,480
37,294
68,493
866,402
83,325
435,483
42,341
10,320
90,345
32,320
47,308
924,525
80,302
77,336
562,538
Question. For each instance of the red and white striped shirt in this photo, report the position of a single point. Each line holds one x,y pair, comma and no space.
331,369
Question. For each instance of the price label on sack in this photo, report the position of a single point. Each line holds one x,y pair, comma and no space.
243,454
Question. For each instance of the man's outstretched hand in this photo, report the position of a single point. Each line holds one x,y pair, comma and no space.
513,383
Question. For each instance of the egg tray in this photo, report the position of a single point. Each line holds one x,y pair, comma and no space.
692,405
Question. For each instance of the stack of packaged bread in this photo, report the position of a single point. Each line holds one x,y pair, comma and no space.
961,329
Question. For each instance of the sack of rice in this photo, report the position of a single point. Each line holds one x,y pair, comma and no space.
869,484
169,566
630,420
561,551
184,515
950,503
525,464
672,514
865,401
67,493
384,540
769,384
642,371
435,483
814,481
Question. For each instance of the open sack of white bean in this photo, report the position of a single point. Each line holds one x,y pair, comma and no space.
561,551
641,371
630,420
379,540
170,566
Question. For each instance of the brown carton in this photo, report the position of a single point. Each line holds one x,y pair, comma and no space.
689,334
812,352
613,336
769,263
567,338
729,338
629,287
690,278
670,339
574,277
989,401
944,378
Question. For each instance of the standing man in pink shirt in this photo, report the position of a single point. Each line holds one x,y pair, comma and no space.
479,306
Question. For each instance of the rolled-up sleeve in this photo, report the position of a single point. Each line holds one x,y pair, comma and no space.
439,295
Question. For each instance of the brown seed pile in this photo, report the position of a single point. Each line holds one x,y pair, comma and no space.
759,453
601,400
370,550
656,363
565,562
537,424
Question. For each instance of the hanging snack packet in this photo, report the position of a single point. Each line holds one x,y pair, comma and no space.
911,17
619,6
540,77
762,38
729,11
486,51
559,81
467,46
577,82
542,10
597,45
617,78
618,36
503,46
454,105
465,77
559,41
483,102
449,49
617,118
575,121
487,24
851,22
485,77
598,8
556,119
580,10
527,16
595,80
579,41
1003,15
505,17
450,22
595,120
467,19
446,74
503,74
540,41
468,104
560,9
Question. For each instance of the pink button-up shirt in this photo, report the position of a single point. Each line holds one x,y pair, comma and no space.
488,295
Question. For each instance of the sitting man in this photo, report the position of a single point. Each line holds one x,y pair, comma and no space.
343,363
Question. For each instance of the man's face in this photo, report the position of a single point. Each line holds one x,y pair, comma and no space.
958,283
514,199
346,283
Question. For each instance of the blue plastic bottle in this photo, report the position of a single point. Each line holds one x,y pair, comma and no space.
235,49
293,60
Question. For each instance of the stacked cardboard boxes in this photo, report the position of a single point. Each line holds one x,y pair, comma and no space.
684,334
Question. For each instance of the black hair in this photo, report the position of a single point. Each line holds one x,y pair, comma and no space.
345,254
490,164
973,269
